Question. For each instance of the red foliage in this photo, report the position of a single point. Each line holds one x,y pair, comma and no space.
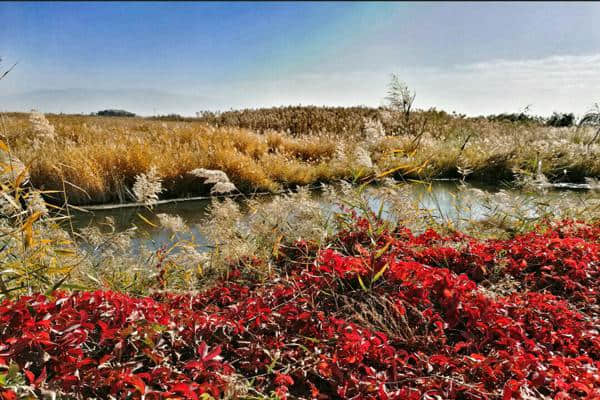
428,330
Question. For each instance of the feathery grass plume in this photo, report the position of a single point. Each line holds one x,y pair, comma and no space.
11,168
8,206
221,181
340,152
174,223
189,257
147,187
401,99
114,241
592,118
41,127
362,158
36,203
374,132
210,175
222,188
223,227
593,183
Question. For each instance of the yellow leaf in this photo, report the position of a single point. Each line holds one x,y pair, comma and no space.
276,246
49,191
362,284
406,167
3,146
28,227
146,220
65,252
391,171
21,178
383,249
380,273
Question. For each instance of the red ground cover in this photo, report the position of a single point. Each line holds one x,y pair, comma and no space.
373,315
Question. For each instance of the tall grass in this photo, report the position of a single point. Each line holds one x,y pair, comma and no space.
99,158
96,159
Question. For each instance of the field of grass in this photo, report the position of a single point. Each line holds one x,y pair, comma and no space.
96,159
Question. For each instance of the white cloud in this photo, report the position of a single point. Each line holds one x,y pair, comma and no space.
559,83
552,63
565,83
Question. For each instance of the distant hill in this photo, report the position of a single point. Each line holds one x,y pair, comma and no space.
115,113
138,101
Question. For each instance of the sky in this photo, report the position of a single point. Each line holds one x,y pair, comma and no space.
160,58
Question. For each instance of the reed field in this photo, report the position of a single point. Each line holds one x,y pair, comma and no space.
95,160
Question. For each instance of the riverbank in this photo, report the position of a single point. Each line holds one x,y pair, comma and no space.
95,160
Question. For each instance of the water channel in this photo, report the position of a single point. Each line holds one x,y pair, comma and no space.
444,200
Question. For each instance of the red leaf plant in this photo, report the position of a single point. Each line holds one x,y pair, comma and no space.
388,315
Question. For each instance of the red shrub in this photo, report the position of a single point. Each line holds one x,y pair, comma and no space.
376,316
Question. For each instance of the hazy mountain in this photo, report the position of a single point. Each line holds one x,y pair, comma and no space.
139,101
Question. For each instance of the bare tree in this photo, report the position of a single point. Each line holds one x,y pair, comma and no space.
401,98
592,118
401,101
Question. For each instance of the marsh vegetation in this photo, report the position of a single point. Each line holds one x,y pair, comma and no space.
96,160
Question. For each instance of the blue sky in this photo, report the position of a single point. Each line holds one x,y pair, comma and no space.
184,57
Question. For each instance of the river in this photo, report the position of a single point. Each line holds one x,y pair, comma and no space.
443,199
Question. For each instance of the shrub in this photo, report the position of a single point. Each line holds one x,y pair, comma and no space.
115,113
373,314
561,120
170,117
521,117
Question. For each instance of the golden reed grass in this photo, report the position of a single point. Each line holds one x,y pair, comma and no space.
96,159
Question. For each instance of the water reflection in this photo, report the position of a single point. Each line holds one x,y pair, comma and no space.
443,199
